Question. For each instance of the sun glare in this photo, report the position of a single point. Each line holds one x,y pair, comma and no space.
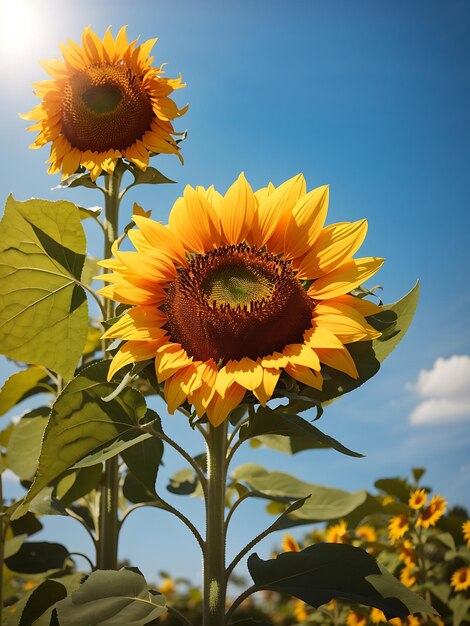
21,27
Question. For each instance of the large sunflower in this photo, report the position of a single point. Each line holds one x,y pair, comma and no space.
238,289
105,101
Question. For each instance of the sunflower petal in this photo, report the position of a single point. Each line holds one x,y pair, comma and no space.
220,408
305,375
345,278
132,352
306,222
339,360
237,211
266,388
335,245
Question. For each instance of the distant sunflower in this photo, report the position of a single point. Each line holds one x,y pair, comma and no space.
105,101
417,499
397,527
430,515
356,618
338,533
289,544
236,290
466,532
366,532
460,579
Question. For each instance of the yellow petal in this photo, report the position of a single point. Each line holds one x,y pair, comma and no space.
362,306
273,213
266,388
306,222
178,386
169,359
220,408
302,354
245,372
340,360
305,375
335,245
195,222
236,211
345,278
161,238
139,324
132,352
344,321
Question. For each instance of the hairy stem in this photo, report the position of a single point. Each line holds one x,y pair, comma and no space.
214,557
107,544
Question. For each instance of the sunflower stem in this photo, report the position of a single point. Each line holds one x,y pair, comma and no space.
214,556
108,523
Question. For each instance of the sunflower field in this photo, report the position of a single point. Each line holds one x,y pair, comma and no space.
247,314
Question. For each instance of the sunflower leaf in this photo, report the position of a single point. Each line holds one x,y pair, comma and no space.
324,503
110,597
22,385
42,252
79,179
151,176
325,571
291,433
81,423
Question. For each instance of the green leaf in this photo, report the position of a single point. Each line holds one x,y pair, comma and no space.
183,483
151,176
43,310
325,571
393,321
80,179
324,503
81,422
22,385
418,473
113,449
85,480
13,545
291,433
459,606
397,487
35,557
134,491
109,598
90,269
25,443
144,458
34,604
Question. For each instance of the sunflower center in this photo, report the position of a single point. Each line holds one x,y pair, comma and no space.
105,107
102,98
235,302
234,285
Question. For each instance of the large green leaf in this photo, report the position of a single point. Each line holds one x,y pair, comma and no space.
109,598
271,427
81,422
21,385
393,322
144,458
325,571
324,503
43,310
25,443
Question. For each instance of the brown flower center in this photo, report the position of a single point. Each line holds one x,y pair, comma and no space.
236,302
105,107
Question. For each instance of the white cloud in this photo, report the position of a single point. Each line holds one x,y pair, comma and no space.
445,390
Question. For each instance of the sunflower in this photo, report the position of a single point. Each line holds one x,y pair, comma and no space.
460,579
105,101
239,289
417,499
406,553
356,618
408,575
338,533
466,532
377,616
397,527
367,533
430,515
289,544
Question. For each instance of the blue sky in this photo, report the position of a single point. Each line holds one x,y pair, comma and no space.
372,98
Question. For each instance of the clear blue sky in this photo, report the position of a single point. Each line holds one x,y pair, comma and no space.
370,97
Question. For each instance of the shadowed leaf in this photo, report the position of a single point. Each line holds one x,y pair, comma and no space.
325,571
81,422
43,311
22,385
34,557
109,598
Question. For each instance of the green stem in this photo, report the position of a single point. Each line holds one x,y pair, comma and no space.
108,524
214,557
